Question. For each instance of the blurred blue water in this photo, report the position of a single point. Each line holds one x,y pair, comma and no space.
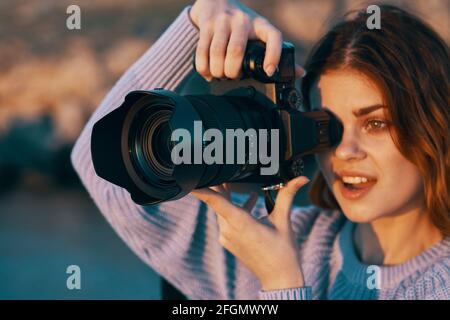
42,233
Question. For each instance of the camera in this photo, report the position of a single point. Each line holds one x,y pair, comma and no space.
133,146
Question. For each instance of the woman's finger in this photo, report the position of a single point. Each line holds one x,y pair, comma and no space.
219,47
281,212
273,39
221,205
222,189
218,188
202,51
273,51
223,226
227,187
236,51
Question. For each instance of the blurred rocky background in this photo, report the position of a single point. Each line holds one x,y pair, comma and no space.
51,80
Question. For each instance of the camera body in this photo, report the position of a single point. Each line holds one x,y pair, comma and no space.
278,93
133,145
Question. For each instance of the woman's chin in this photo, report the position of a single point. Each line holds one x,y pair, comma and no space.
358,210
357,216
358,213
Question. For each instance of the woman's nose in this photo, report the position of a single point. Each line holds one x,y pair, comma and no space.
350,147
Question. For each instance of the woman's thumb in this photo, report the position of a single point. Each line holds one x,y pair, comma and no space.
285,197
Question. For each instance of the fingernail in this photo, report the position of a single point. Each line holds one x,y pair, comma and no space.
303,180
270,70
209,79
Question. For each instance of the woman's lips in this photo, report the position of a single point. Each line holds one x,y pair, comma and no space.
354,191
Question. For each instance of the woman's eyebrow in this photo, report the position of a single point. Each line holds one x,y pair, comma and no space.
367,110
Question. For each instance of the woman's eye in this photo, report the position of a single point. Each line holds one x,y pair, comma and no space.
375,125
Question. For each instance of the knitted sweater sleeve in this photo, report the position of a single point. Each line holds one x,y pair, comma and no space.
429,284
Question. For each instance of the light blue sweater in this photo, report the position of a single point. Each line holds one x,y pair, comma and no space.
179,239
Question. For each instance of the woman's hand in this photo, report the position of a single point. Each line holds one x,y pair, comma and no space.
225,27
269,251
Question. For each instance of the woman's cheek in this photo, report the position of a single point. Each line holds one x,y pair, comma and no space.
323,160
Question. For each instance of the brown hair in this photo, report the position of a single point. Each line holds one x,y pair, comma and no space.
410,64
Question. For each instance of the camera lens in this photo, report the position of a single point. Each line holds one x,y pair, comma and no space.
151,145
163,146
155,137
150,122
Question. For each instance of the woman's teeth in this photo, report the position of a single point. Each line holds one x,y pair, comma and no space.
354,180
355,187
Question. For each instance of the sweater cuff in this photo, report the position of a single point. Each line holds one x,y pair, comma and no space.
302,293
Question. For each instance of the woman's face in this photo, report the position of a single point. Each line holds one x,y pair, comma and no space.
366,172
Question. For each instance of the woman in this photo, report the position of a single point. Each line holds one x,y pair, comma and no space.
380,225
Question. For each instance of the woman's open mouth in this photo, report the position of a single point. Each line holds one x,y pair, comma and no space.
354,186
